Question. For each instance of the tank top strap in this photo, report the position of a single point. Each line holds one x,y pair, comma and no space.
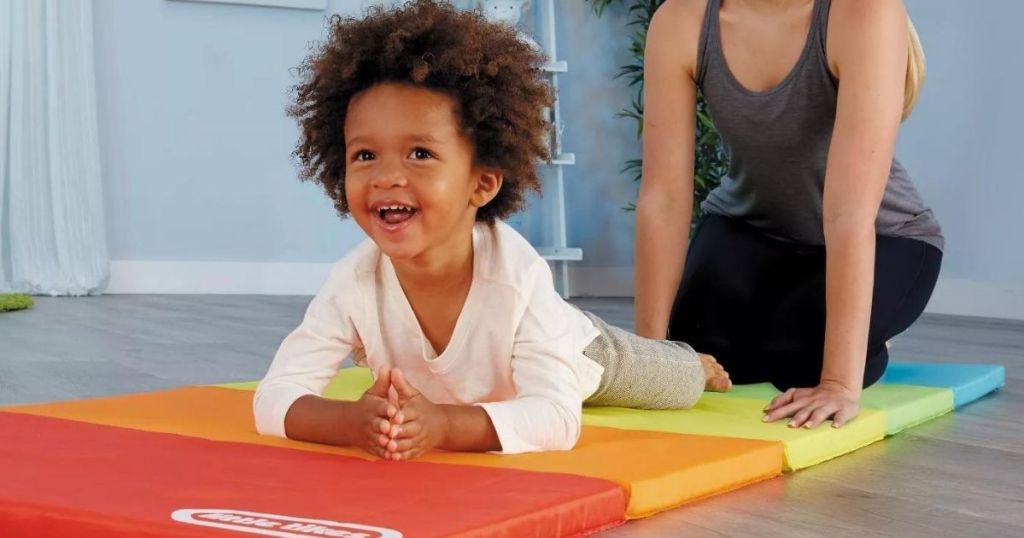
709,39
820,22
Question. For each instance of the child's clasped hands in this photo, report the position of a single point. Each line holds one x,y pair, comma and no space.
400,423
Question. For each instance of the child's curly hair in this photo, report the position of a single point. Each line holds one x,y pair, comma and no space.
494,78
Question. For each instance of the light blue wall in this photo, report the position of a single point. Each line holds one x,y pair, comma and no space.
963,142
194,138
196,145
595,189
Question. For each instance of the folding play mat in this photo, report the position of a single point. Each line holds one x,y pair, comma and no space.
187,462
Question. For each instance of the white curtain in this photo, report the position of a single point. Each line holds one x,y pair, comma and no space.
52,235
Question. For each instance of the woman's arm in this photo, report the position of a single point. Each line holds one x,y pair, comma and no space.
869,46
665,202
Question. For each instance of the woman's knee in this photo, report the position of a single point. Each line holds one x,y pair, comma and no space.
906,271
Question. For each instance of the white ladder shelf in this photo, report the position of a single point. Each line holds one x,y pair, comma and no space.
558,252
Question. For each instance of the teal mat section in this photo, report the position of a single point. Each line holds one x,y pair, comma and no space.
967,381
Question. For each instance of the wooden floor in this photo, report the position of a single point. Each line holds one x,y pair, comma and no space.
959,475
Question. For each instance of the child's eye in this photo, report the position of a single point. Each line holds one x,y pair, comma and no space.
364,155
420,154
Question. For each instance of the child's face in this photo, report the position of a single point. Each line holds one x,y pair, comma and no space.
410,180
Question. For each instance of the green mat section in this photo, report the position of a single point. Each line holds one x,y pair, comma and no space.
726,416
349,384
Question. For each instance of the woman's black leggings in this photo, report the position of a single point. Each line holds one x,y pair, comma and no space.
757,304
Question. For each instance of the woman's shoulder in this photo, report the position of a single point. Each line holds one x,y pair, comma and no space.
855,24
676,27
682,11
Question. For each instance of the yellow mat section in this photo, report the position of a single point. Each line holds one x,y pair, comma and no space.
722,415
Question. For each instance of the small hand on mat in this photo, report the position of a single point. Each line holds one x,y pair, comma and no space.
419,425
716,379
373,414
812,406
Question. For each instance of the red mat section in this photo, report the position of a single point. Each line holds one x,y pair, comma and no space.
65,478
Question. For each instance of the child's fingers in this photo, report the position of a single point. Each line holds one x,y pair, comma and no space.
385,409
384,426
408,414
373,445
405,390
401,446
407,455
407,430
381,384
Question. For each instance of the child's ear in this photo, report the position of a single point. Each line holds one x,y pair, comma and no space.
488,183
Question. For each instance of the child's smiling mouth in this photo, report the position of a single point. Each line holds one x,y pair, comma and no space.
393,216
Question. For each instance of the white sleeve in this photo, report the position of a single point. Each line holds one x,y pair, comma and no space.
308,358
547,411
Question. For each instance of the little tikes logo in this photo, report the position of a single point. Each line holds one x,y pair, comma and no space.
277,525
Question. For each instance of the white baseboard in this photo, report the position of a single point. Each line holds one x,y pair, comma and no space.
952,296
233,278
600,281
964,297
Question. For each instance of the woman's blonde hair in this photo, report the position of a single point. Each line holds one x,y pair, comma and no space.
916,69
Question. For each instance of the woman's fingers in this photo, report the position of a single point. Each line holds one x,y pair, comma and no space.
801,416
821,414
781,399
786,410
844,415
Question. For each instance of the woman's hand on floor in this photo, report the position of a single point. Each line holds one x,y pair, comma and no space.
809,407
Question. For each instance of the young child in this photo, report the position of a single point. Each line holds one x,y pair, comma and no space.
424,124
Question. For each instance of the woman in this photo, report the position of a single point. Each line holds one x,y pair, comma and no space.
816,248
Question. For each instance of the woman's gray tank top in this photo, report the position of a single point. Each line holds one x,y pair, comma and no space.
777,142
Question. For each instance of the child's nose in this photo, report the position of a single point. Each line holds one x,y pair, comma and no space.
391,175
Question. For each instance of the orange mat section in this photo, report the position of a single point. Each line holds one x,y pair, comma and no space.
659,470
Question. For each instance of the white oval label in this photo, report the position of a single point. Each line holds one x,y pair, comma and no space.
278,525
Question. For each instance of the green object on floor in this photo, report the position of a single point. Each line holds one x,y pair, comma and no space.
14,301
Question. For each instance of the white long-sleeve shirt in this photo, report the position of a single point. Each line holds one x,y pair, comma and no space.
516,350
